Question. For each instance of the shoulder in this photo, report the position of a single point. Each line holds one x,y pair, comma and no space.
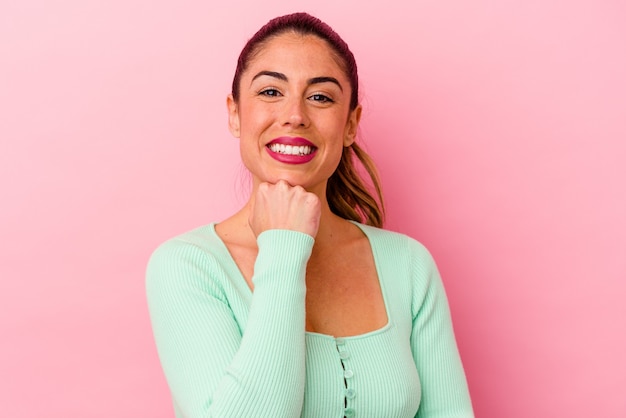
187,259
198,242
397,243
405,256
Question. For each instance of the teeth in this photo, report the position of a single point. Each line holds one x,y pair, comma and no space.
291,149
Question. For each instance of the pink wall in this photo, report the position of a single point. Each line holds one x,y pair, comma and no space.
499,128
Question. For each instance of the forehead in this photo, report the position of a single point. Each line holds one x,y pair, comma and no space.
297,52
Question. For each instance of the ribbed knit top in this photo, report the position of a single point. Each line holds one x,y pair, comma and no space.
229,352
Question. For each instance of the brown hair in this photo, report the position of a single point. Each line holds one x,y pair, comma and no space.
347,193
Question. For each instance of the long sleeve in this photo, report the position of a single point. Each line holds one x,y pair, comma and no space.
212,367
444,386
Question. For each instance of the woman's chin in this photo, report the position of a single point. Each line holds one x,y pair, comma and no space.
295,180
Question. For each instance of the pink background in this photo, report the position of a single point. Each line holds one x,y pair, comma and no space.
499,128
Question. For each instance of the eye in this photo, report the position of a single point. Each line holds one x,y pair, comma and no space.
270,92
321,98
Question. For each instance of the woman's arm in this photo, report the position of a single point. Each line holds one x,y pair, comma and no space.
212,370
444,387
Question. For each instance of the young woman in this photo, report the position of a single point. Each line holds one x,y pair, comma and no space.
299,305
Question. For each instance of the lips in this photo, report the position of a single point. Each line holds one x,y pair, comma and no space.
291,150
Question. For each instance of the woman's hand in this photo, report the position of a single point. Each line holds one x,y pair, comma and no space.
281,206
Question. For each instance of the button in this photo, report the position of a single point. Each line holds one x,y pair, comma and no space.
350,393
348,374
344,355
340,341
348,412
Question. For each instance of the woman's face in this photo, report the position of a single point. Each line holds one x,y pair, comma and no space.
293,117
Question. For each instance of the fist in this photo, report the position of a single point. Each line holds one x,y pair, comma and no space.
282,206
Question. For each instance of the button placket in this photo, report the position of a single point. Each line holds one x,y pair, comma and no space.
350,393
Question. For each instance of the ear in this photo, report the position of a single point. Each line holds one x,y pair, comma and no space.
234,123
352,125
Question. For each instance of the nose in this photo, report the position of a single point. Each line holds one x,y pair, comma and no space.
295,113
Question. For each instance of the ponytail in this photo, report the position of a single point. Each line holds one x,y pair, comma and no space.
347,194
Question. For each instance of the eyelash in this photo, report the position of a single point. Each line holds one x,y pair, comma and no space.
265,92
324,98
272,92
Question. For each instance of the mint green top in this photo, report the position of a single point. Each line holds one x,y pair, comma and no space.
229,352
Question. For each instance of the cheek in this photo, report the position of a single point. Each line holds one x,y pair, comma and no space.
337,129
250,154
255,117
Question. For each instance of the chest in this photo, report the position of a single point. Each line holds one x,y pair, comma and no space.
344,296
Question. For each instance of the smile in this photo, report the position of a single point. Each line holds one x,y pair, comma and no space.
290,149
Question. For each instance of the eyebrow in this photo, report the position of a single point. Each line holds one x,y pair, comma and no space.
310,81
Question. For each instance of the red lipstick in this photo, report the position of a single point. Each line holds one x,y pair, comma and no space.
291,150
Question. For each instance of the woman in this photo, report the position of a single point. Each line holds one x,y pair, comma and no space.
299,305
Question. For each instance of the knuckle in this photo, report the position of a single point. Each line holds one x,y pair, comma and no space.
312,198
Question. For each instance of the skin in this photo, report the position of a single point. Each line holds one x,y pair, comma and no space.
343,292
